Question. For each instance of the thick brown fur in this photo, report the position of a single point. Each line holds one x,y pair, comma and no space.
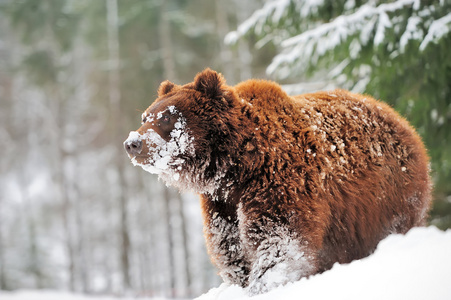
327,173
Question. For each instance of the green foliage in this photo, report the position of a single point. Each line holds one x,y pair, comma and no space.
40,67
39,20
47,28
398,51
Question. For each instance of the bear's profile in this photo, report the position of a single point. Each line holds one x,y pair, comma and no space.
288,185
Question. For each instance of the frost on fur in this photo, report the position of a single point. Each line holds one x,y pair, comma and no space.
164,156
278,257
289,186
226,249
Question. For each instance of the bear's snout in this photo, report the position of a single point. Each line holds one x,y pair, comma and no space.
133,144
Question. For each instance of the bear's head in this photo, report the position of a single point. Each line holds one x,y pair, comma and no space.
188,132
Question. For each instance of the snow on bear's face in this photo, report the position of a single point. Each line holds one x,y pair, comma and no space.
184,131
161,143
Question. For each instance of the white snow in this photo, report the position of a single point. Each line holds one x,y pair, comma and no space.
314,43
412,266
145,118
384,22
133,136
274,8
372,22
57,295
272,11
413,32
437,29
162,154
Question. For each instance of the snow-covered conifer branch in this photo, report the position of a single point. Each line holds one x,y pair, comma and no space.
307,47
437,29
275,9
392,25
272,12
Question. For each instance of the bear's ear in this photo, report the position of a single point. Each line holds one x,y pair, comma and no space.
209,83
165,87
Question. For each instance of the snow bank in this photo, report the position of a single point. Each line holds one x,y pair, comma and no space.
414,266
56,295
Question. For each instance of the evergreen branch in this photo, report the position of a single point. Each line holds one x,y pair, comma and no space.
437,29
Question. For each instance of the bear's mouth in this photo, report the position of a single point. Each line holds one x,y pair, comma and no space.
148,150
139,160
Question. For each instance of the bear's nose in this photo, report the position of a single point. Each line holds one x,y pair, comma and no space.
133,147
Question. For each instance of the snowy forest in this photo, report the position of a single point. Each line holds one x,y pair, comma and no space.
75,76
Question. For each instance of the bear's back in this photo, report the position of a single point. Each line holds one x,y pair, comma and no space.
360,156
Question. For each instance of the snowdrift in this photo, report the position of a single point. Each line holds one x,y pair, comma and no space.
412,266
57,295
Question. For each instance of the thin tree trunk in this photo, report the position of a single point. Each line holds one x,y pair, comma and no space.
67,231
125,240
34,261
34,251
81,245
115,99
2,259
169,73
5,164
79,67
171,261
184,236
166,44
57,107
154,234
224,51
244,54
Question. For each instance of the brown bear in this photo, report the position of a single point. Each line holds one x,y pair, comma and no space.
288,185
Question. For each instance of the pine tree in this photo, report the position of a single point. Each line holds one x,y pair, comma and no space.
398,51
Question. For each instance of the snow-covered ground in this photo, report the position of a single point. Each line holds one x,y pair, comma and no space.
56,295
414,266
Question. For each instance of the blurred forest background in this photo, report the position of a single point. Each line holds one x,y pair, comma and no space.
75,76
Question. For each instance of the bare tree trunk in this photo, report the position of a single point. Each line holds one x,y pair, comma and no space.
244,54
153,234
225,53
125,240
169,73
115,99
66,207
5,123
57,107
171,261
81,245
34,261
113,55
60,179
35,267
3,285
5,115
184,236
166,44
79,68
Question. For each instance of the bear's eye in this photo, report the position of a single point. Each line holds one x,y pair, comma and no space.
165,119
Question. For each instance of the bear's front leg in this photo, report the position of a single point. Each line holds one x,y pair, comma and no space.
225,249
223,240
277,253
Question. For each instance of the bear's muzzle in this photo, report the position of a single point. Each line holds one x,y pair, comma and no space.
133,144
